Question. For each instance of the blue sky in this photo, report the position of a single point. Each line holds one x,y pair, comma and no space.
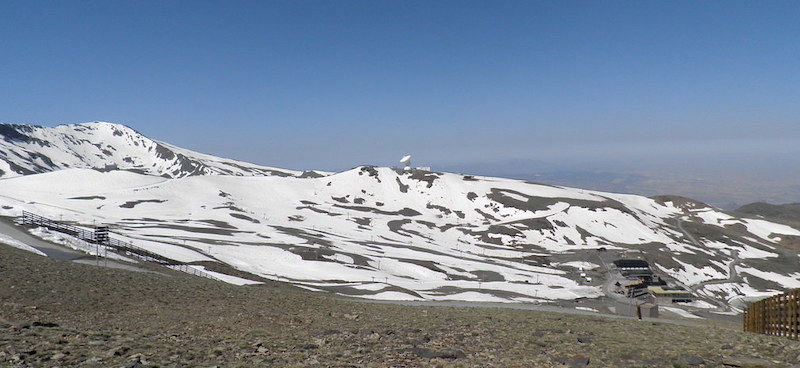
335,84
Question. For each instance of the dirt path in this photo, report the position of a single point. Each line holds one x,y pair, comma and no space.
733,276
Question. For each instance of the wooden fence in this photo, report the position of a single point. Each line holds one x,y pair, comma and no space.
778,315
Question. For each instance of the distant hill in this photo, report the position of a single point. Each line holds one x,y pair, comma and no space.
784,212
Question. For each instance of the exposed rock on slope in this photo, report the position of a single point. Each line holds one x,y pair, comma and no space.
386,234
27,149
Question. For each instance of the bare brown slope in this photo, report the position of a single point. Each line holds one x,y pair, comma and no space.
55,313
782,212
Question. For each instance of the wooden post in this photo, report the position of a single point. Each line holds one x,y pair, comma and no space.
778,315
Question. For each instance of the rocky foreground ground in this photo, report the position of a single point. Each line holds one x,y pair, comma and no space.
59,314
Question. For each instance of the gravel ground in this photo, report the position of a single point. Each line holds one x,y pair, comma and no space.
60,314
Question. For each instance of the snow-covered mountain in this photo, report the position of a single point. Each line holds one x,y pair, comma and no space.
383,233
28,149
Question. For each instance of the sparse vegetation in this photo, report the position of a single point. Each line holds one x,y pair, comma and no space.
56,313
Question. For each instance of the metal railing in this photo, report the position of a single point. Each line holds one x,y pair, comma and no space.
778,315
29,218
109,243
191,270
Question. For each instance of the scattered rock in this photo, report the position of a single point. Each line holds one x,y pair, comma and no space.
432,354
258,331
421,341
92,360
16,358
746,362
573,362
137,364
370,335
550,331
691,360
648,363
22,326
45,324
540,344
114,352
327,332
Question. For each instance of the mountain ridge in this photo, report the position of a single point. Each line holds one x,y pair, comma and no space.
31,149
383,233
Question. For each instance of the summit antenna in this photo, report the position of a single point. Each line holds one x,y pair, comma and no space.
406,161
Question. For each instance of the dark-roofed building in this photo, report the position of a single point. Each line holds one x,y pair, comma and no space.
635,289
633,267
